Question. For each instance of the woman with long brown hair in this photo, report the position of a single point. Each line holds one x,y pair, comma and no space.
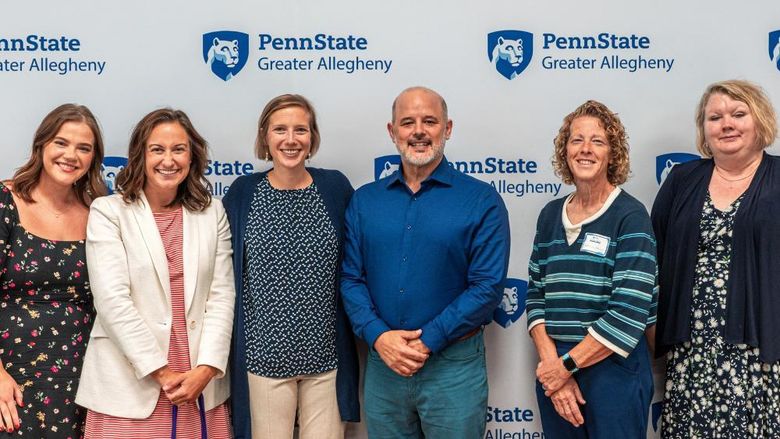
46,300
162,279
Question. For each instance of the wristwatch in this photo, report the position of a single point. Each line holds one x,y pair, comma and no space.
569,363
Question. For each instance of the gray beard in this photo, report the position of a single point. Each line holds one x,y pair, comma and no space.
416,160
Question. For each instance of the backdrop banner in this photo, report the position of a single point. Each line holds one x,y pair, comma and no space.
510,71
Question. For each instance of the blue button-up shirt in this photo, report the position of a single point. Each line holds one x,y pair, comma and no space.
435,259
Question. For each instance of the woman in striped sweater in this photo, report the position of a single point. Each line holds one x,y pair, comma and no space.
591,292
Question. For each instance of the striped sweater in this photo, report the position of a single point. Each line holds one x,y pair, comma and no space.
604,284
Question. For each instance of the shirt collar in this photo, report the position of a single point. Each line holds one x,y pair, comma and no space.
442,174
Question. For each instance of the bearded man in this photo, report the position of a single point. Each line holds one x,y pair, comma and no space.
425,262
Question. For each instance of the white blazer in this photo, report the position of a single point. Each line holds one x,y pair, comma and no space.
128,274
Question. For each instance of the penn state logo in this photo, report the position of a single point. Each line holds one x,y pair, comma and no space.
225,52
386,165
110,168
510,51
665,162
774,48
512,304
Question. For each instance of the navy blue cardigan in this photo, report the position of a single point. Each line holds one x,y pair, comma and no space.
753,287
336,193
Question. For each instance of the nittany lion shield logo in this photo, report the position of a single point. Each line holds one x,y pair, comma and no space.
225,52
386,165
110,169
665,162
512,304
510,51
774,47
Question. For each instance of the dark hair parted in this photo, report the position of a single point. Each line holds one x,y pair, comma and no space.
279,103
194,192
89,186
758,103
618,167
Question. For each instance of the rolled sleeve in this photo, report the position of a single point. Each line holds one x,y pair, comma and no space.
631,303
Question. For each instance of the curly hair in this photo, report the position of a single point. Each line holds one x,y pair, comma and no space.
618,168
194,192
754,97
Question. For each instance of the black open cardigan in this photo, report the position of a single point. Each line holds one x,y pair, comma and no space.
336,193
753,296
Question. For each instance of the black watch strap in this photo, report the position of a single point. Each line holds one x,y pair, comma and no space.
569,363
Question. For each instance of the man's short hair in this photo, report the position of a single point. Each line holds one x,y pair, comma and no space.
425,89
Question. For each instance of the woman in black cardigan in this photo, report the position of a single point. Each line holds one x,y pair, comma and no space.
717,222
293,348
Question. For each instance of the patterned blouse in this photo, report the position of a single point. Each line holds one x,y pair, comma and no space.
290,262
715,389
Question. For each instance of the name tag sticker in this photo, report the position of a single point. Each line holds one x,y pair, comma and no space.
595,244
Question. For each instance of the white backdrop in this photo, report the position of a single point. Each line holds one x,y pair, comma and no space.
138,56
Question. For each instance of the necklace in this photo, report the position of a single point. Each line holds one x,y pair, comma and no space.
734,180
44,201
301,182
54,212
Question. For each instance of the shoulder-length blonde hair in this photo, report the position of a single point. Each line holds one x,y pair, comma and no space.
618,167
89,186
758,103
194,192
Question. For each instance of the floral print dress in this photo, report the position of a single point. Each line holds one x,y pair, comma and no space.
715,389
46,315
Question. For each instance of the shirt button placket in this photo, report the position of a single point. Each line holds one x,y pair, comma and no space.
406,245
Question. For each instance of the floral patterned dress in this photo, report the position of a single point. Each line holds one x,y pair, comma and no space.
715,389
46,315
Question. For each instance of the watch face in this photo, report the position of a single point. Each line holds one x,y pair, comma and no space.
569,364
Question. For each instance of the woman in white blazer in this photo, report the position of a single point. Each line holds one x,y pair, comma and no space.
159,258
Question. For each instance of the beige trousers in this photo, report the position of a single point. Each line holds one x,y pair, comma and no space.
273,403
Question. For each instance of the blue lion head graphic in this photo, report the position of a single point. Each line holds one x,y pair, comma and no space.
665,162
110,168
386,165
774,47
226,52
512,304
510,51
